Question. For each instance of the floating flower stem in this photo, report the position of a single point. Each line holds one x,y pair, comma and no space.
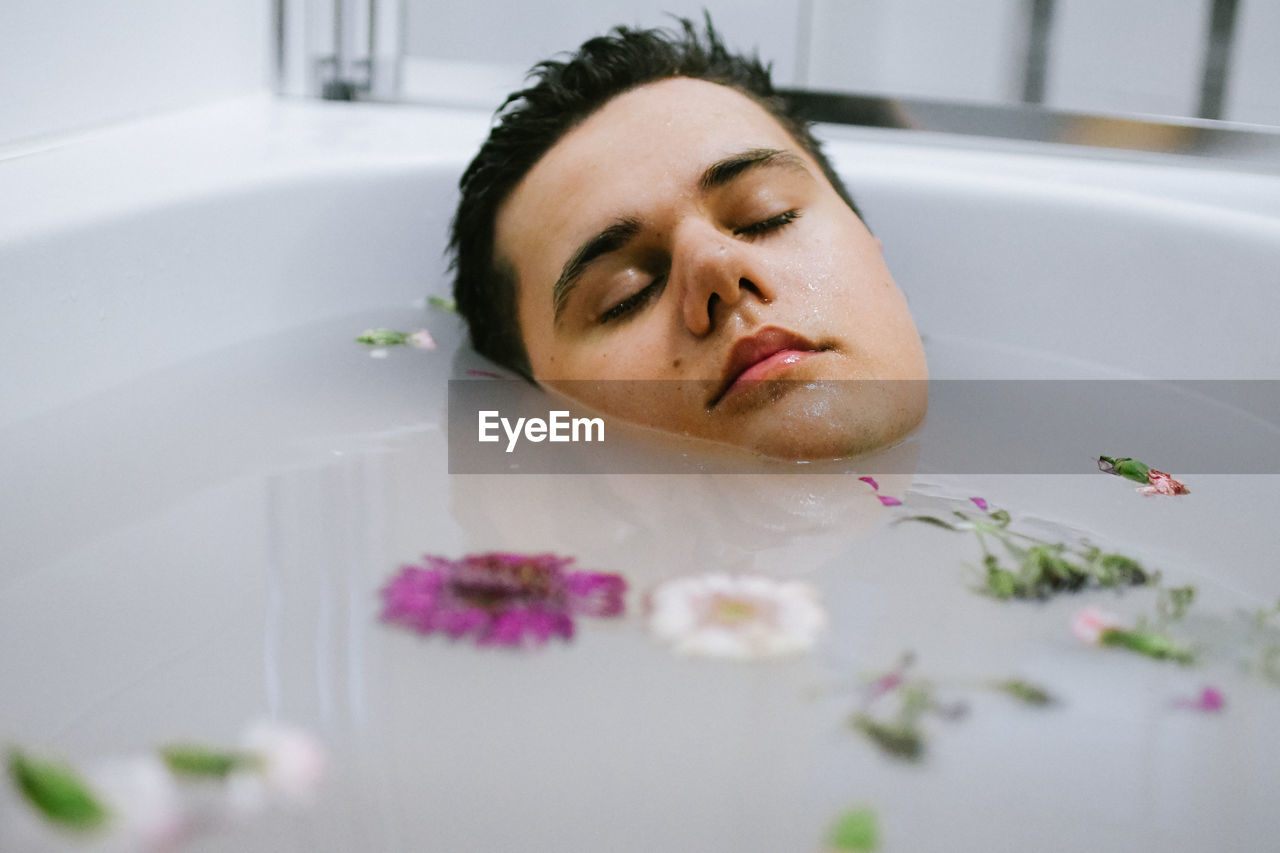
1097,627
156,801
1147,643
1123,466
1037,568
418,339
1024,691
1153,482
899,734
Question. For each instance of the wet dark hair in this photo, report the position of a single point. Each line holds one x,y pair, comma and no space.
531,121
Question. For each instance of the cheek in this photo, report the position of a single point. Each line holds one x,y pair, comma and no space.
852,256
638,349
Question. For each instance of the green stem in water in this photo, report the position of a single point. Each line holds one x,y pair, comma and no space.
1147,643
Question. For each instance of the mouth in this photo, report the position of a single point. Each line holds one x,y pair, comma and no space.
764,355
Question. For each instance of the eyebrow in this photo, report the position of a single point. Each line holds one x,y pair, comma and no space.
609,240
623,230
723,171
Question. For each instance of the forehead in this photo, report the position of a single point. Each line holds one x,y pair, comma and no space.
643,149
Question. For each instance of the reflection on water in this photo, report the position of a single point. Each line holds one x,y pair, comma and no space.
206,546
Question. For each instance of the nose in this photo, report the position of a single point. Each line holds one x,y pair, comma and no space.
714,272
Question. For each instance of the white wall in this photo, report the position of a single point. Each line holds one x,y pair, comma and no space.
1253,93
1133,57
968,50
1140,56
70,64
477,52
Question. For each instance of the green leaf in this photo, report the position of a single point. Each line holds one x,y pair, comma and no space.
930,519
443,304
1025,691
897,739
57,792
201,762
855,831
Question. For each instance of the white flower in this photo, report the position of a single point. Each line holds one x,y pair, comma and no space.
292,763
145,810
743,617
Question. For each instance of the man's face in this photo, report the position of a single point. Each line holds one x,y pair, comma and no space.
683,253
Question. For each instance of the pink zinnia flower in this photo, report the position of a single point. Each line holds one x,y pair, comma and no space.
498,598
1162,484
1091,623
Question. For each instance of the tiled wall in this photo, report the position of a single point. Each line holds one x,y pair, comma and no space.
1254,91
1138,56
68,64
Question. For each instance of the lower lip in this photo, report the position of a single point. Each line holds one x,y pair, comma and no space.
769,368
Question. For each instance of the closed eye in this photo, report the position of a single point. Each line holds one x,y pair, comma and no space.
635,301
765,226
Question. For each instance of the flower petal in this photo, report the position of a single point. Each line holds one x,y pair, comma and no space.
1090,623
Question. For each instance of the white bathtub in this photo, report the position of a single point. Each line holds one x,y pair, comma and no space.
206,481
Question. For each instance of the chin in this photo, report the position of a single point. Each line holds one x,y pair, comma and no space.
834,420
